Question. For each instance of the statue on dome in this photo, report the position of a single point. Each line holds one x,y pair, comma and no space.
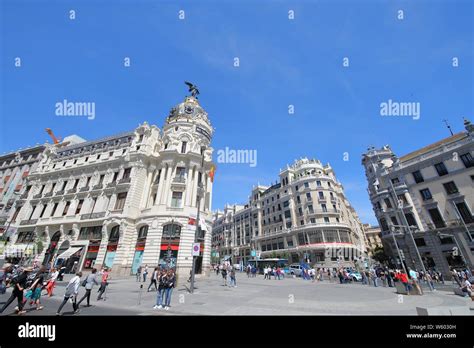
192,89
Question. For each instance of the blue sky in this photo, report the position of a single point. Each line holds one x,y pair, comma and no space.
282,62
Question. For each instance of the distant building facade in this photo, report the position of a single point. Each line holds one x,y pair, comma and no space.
432,191
373,237
304,217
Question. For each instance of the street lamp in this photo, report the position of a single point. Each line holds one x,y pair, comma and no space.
169,252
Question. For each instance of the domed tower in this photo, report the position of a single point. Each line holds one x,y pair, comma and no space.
182,185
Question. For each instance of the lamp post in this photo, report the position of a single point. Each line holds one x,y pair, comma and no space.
200,191
168,250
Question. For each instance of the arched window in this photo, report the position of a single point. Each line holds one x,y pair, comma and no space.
171,231
142,232
114,234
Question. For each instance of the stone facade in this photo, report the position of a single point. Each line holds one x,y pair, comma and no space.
127,199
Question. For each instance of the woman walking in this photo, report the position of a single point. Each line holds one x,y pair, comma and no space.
89,283
154,278
52,281
162,279
19,284
104,282
72,289
34,292
170,284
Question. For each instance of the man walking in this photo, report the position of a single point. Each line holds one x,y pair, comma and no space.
139,273
145,273
154,278
72,289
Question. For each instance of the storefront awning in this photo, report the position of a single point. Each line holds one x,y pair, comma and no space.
69,252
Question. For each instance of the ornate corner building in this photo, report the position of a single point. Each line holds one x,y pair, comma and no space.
303,217
429,192
126,200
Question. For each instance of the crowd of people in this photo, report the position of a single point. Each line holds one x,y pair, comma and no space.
29,284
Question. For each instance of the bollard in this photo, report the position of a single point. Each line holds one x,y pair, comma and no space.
140,294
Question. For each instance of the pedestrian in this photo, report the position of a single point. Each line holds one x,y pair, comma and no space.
139,273
415,280
34,291
104,282
52,281
19,283
232,279
72,289
154,278
170,284
88,284
247,270
161,290
403,277
224,275
466,287
145,273
265,272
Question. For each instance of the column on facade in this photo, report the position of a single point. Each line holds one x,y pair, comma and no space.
185,259
195,186
171,175
147,189
103,247
189,187
160,183
151,254
125,250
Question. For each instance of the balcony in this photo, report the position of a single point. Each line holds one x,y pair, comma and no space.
29,222
59,193
111,184
71,191
91,216
37,196
97,187
124,181
84,189
49,194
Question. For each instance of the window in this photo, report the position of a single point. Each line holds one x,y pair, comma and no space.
388,203
298,199
76,183
88,181
441,169
121,197
321,195
142,232
467,160
394,220
318,183
300,211
126,173
420,241
296,188
42,211
383,224
115,177
64,185
436,218
79,206
25,237
395,181
286,204
310,209
306,184
326,219
287,214
183,147
176,199
324,207
55,206
450,188
114,234
66,208
410,219
313,220
308,196
101,179
464,212
15,215
426,194
417,176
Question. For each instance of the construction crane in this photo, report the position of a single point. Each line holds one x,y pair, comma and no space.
51,134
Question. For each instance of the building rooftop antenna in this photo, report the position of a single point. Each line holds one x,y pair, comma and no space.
449,127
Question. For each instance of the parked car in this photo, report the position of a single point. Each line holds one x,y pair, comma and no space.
295,269
355,276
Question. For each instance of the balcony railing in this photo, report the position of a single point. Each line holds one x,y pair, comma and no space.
124,181
38,195
92,216
29,222
49,194
112,184
59,193
84,189
24,195
179,179
98,187
73,190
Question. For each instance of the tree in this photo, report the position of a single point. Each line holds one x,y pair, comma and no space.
379,255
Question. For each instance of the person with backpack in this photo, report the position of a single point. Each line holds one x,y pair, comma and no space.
104,282
18,282
88,283
72,289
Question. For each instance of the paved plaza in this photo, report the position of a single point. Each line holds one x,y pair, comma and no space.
254,296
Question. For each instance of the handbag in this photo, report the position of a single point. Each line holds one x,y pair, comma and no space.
84,282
